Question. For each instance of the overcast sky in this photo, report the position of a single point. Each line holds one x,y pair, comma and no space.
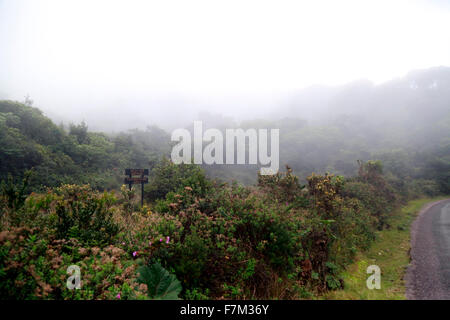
73,56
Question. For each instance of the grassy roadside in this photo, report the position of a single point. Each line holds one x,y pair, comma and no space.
390,253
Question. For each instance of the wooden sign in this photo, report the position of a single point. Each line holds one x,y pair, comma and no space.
136,180
136,172
139,178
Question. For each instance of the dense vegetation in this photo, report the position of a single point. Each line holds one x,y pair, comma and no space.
60,155
405,123
200,235
278,239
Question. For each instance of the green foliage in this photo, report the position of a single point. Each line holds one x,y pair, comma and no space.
80,132
161,285
34,267
15,194
283,187
439,168
128,195
85,215
196,294
28,140
263,231
167,177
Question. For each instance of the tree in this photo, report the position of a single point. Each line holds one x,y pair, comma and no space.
80,132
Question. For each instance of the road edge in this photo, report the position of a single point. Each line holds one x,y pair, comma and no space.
409,274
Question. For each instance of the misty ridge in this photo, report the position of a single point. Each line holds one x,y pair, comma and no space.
412,112
385,103
403,122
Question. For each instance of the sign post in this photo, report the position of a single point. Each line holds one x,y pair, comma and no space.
137,176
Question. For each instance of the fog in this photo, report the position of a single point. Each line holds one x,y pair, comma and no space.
126,64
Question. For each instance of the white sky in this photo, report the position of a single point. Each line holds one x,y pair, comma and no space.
107,47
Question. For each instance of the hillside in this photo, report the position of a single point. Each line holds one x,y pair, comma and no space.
404,123
59,155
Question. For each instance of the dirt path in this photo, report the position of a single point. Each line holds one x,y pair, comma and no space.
428,276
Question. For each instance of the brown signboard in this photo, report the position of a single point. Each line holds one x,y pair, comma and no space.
136,180
136,172
141,179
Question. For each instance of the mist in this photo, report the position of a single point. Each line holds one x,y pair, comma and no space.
127,64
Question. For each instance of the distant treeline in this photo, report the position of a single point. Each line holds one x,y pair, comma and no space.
60,155
405,124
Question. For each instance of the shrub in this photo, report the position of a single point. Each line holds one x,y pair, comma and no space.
15,194
85,215
167,177
36,268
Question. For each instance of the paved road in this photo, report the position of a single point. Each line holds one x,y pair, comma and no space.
428,276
